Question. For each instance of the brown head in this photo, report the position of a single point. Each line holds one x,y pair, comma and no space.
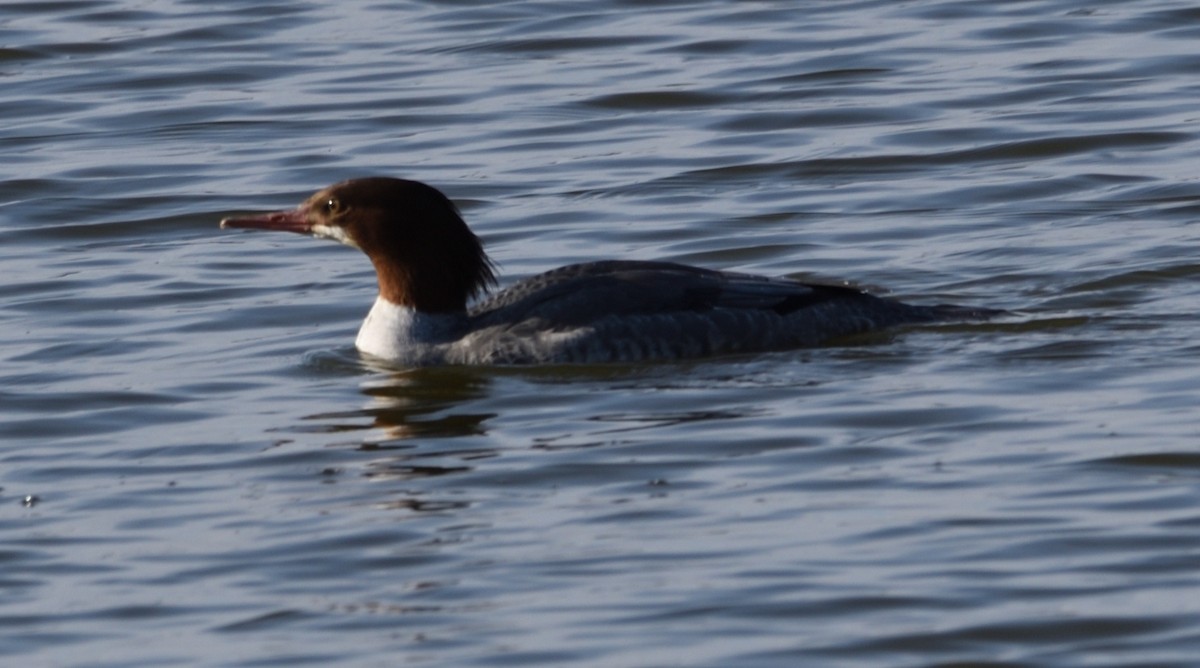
425,256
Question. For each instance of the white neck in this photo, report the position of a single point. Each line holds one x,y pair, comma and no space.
404,334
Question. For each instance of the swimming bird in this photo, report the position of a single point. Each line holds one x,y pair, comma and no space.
430,267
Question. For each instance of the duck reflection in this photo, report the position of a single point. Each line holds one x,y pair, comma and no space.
410,412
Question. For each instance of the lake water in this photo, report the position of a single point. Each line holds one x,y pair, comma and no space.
197,469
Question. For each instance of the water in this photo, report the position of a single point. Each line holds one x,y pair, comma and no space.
198,470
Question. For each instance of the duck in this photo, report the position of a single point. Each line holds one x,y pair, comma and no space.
436,304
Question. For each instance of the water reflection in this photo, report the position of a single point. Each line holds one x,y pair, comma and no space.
426,402
407,405
411,403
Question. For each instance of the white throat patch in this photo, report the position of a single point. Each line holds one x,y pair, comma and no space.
335,232
403,334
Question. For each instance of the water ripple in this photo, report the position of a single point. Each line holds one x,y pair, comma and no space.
194,452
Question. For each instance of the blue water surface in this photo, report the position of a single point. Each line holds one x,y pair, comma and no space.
197,468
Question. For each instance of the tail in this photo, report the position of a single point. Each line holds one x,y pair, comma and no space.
860,313
954,313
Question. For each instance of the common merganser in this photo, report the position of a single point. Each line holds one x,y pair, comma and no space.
430,265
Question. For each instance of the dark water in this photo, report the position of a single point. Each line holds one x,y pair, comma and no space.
198,470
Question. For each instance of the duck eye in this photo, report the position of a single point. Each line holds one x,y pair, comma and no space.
332,206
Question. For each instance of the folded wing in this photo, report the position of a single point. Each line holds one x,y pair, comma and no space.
580,293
